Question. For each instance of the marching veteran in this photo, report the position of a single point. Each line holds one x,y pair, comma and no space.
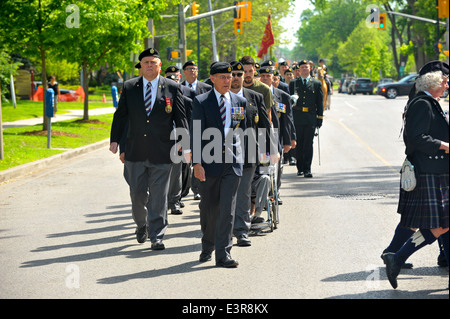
150,104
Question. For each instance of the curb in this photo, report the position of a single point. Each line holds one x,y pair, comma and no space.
39,165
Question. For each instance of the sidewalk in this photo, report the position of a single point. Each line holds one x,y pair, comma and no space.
30,168
73,114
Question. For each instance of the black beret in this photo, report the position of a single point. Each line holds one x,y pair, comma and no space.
257,65
172,68
276,73
434,66
265,70
257,73
237,66
220,67
148,52
138,65
267,63
189,63
296,67
288,70
303,62
283,63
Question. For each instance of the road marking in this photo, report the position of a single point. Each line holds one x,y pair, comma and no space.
353,107
364,144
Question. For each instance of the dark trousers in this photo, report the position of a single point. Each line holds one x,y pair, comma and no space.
149,186
217,211
304,149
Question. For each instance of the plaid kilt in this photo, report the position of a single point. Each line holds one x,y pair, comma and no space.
426,206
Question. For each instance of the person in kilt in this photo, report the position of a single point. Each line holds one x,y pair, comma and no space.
424,211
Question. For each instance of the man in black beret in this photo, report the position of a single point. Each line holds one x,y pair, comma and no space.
257,117
219,171
148,160
190,71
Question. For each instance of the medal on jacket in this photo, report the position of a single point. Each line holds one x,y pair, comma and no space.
237,113
168,107
256,118
280,107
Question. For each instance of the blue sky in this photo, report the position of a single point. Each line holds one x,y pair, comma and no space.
291,21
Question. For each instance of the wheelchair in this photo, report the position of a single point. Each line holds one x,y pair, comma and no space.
273,216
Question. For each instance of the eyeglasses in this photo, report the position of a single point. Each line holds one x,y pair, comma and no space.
223,77
191,69
239,75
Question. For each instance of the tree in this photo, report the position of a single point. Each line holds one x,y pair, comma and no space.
29,27
108,31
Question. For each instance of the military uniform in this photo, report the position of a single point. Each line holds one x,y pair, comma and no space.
307,114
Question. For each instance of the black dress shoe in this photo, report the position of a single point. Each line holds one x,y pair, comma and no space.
197,197
176,211
243,241
299,173
158,245
280,202
181,204
404,266
227,262
392,269
141,234
292,162
308,175
204,257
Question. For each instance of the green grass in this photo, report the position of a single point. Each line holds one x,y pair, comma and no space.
27,144
27,109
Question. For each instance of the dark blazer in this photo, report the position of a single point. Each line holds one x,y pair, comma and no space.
310,102
148,137
256,114
425,127
206,114
287,131
201,87
283,87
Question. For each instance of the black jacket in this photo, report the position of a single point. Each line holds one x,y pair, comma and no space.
425,127
148,137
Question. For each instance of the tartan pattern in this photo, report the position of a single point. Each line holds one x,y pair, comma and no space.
426,206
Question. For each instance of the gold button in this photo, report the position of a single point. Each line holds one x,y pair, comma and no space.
145,135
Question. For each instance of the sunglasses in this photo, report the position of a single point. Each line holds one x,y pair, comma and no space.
239,75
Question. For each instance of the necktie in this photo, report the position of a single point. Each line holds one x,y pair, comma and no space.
304,81
148,99
223,109
190,85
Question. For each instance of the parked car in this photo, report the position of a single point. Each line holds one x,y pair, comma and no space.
394,89
360,85
344,86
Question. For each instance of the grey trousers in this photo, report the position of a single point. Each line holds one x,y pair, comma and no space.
149,185
243,203
217,209
175,186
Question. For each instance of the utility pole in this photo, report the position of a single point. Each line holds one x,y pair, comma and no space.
213,34
182,33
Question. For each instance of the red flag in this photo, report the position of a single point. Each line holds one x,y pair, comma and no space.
267,39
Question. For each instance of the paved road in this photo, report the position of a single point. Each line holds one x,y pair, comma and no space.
67,232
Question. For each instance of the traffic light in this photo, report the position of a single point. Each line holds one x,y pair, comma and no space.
195,9
245,13
237,26
442,9
382,19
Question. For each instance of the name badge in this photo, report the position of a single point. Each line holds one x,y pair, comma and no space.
168,107
305,109
237,113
